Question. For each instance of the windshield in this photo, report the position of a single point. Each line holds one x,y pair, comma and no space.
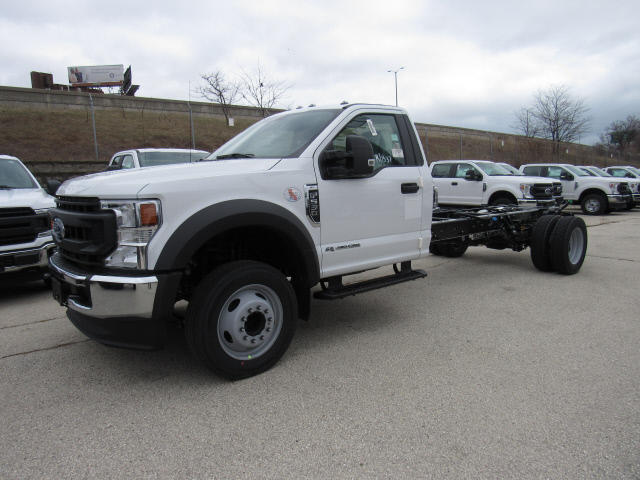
151,159
588,172
512,170
493,169
278,136
15,175
599,172
578,171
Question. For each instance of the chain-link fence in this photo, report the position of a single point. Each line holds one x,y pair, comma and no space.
64,134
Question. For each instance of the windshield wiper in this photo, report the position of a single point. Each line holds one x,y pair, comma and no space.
235,155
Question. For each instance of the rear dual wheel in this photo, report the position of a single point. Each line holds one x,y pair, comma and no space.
559,244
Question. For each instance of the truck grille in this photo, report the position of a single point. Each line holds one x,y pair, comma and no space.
90,234
542,191
624,189
21,225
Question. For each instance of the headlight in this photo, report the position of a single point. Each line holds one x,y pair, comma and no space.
614,187
525,188
138,221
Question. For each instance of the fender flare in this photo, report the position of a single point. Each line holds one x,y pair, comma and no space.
213,220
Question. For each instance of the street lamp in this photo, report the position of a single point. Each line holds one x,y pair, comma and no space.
395,73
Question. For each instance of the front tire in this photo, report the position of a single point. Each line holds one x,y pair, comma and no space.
241,319
569,245
594,204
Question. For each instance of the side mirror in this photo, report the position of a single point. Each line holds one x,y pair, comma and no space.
472,175
628,175
361,153
566,176
355,162
52,187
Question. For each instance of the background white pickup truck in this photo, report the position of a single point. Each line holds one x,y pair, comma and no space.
152,157
595,195
481,182
25,227
631,174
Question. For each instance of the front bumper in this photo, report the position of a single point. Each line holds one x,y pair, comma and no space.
619,201
532,202
120,310
18,263
636,197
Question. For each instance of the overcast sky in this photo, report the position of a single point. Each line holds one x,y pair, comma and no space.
467,63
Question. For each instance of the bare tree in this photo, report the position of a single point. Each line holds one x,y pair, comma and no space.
526,123
261,90
557,115
622,134
219,89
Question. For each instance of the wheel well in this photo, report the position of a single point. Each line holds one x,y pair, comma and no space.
592,191
259,243
502,194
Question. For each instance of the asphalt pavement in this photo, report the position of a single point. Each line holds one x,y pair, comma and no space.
487,368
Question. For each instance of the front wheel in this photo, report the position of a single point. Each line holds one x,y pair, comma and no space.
594,204
241,319
568,245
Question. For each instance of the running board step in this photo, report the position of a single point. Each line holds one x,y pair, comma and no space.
341,291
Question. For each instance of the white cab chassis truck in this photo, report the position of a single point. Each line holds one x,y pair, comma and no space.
302,198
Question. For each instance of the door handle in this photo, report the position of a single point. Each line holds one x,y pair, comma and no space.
454,183
409,188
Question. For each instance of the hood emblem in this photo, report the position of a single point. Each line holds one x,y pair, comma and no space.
58,230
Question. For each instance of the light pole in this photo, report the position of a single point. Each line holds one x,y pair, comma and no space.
395,73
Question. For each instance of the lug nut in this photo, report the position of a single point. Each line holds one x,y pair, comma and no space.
250,310
266,310
253,340
242,329
268,329
244,319
258,308
246,338
261,337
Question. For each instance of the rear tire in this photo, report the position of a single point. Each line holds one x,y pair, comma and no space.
434,249
241,319
569,245
541,242
594,204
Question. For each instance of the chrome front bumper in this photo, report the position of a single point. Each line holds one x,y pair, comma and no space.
17,260
619,200
103,296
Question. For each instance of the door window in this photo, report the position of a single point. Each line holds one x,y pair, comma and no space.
383,134
463,168
127,162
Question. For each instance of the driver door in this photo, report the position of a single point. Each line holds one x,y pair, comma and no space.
374,220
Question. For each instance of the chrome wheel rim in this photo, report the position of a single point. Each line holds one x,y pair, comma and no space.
250,322
576,246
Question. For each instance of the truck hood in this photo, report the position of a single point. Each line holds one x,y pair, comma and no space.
119,183
35,198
